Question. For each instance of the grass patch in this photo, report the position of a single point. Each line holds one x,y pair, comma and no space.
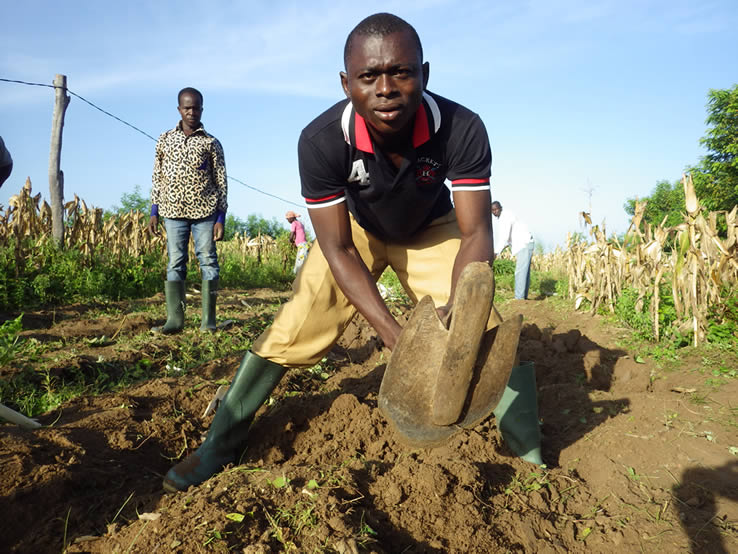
50,276
48,374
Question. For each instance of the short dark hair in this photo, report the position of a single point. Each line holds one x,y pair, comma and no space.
380,25
497,204
189,90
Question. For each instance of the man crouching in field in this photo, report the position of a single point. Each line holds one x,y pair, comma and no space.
372,168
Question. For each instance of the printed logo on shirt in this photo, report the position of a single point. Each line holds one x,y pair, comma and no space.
359,174
426,171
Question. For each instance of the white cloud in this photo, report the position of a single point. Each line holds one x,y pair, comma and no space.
279,47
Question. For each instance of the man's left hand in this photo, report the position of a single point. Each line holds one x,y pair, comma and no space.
218,231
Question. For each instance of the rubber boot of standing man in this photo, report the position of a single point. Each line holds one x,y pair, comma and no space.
189,191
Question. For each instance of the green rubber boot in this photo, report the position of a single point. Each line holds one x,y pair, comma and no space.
209,293
517,414
174,291
251,386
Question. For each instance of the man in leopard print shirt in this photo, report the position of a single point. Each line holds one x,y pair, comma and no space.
189,190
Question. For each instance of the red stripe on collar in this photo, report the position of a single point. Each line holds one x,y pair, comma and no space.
363,140
421,131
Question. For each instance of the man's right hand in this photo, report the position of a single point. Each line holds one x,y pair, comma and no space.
154,225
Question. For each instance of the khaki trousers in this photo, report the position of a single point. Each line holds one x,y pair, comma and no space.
309,324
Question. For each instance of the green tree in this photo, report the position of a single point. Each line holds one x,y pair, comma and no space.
233,225
134,201
716,176
257,225
253,226
665,201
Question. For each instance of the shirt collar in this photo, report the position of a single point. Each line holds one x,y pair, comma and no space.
427,123
200,129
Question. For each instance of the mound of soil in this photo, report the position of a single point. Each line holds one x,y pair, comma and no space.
637,459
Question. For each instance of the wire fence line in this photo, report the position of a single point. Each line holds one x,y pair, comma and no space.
144,133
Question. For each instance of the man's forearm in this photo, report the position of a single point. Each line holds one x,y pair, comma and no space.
357,284
475,248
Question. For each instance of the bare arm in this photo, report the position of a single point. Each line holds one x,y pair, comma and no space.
333,230
475,224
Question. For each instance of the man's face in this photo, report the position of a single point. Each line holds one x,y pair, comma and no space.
190,108
384,80
496,210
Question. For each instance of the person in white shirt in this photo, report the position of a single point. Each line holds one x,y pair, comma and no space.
508,230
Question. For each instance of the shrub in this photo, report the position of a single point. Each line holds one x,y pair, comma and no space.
722,318
47,275
627,311
504,267
641,320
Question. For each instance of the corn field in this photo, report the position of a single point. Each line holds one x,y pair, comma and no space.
690,258
28,218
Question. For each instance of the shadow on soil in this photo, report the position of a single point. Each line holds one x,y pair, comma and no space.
98,485
571,369
698,495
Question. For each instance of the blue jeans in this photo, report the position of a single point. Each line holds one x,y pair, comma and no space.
178,240
522,271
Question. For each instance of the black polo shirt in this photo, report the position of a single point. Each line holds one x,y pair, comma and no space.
338,163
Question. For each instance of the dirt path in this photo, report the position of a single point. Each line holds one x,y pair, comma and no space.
639,458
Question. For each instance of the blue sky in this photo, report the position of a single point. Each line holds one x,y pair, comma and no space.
606,96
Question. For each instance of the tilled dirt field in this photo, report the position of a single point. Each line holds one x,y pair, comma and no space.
638,458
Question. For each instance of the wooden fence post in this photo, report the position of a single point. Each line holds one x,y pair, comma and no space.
56,176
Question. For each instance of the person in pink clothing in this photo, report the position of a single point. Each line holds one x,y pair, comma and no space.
297,237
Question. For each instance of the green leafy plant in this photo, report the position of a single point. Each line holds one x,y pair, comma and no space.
10,342
47,275
504,267
366,534
534,481
214,535
635,312
722,318
279,482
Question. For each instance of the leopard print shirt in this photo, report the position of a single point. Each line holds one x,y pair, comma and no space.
189,179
